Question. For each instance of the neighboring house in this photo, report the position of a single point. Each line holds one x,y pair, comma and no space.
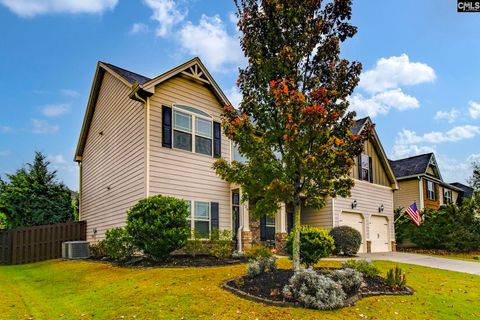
370,207
467,191
147,136
420,181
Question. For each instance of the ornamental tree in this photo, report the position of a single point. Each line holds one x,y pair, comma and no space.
293,125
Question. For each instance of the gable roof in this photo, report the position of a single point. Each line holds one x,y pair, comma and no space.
141,87
130,76
377,145
467,191
359,125
412,166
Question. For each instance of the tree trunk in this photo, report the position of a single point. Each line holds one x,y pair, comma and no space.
296,234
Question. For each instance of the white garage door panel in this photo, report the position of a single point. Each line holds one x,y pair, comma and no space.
379,234
356,221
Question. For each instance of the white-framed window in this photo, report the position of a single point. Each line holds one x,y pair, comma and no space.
431,190
199,217
365,167
270,222
447,196
192,130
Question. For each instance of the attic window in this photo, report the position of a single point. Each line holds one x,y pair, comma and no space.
365,167
431,190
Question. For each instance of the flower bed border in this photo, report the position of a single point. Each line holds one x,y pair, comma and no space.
348,303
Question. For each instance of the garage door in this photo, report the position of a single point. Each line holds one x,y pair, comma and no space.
379,234
355,221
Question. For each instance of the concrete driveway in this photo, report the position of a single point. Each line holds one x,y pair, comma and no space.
423,260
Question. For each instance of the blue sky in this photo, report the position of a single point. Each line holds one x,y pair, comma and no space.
420,82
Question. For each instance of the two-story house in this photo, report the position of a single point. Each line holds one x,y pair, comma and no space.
146,136
420,181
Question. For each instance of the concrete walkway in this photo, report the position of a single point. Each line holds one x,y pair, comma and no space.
423,260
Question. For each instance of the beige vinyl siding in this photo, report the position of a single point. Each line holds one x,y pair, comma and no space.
318,217
431,171
184,174
369,198
113,162
379,171
408,192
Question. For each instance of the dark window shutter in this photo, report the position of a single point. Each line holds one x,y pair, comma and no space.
217,140
360,167
370,169
214,215
263,228
166,127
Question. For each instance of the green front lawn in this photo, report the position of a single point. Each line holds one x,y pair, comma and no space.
85,290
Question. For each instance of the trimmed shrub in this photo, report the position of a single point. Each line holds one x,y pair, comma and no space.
313,290
97,249
158,225
395,279
220,244
195,245
363,266
256,252
118,244
347,240
349,279
261,265
315,243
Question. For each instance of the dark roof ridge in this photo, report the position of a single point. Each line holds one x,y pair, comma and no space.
130,76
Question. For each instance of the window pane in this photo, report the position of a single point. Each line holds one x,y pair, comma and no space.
189,209
365,162
270,222
237,156
182,121
202,227
203,145
202,210
182,140
203,127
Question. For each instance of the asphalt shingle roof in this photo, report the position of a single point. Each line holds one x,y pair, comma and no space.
467,191
411,166
130,76
358,125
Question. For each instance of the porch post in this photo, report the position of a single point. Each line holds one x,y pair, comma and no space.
281,229
245,242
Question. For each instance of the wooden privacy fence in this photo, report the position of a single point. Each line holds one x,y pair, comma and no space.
33,244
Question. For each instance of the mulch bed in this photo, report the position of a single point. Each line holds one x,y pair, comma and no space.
267,288
173,261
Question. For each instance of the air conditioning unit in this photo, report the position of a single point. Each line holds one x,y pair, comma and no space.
75,250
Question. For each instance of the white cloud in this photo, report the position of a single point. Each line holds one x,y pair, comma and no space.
56,159
474,109
456,170
6,129
455,134
69,93
403,151
366,106
450,116
166,13
234,95
43,127
5,153
139,28
382,102
395,72
31,8
210,40
55,110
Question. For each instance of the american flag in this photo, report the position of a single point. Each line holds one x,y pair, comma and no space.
413,212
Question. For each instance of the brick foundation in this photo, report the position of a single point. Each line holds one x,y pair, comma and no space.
280,242
246,240
394,246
